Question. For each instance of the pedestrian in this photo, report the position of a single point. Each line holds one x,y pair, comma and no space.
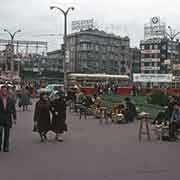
171,101
42,116
174,123
131,112
7,111
24,99
58,109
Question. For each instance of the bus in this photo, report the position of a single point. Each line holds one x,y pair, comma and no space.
87,82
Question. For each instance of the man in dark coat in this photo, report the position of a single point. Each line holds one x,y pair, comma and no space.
7,110
130,110
58,109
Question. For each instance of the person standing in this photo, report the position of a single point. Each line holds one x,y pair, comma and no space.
174,123
42,116
7,118
130,110
58,109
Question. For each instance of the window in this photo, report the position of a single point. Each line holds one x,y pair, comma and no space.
155,46
142,47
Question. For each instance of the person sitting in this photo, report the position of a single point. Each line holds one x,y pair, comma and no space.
83,107
161,117
174,123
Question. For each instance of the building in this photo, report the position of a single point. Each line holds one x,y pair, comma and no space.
158,53
94,51
39,67
135,60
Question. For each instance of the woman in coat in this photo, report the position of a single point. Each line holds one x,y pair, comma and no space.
58,109
42,116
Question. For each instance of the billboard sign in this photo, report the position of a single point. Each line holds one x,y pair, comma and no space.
155,29
82,24
152,78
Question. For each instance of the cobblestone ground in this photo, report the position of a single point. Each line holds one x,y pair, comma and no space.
90,151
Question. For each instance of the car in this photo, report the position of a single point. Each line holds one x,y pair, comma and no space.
53,87
49,89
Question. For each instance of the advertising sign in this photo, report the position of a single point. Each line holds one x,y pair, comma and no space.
150,51
82,24
150,60
176,66
150,68
152,77
155,28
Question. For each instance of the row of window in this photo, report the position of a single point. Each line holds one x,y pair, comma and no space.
157,64
150,46
102,40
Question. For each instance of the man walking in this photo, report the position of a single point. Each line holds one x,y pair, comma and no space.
7,110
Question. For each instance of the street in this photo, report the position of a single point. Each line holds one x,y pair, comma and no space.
90,151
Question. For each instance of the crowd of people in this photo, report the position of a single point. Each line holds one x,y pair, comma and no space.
50,114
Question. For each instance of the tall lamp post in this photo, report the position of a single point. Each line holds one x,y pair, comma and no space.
12,35
172,35
65,13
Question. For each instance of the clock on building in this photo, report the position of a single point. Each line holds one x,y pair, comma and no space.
155,20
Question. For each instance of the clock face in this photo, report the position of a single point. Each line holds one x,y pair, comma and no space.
155,20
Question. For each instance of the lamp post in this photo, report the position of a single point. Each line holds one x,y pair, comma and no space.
12,35
172,36
65,13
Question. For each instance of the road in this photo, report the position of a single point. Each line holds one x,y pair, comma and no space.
90,151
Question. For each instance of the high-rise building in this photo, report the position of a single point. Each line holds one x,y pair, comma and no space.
158,53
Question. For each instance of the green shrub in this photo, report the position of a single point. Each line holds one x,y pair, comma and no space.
158,98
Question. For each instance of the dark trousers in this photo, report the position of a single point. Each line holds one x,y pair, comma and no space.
173,126
4,139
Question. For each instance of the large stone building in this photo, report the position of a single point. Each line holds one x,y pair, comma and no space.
94,51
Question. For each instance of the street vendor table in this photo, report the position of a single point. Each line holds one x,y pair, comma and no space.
103,114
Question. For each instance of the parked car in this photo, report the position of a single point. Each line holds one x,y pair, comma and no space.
51,88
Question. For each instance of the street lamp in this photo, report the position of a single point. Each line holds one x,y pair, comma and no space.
172,36
12,35
65,13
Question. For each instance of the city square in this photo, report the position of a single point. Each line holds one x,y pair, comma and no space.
89,151
89,90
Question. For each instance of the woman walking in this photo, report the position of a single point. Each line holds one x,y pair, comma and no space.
58,109
42,116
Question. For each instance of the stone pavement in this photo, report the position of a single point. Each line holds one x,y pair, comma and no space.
90,152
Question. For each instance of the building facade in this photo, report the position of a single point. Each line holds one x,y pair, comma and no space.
94,51
49,68
135,60
158,55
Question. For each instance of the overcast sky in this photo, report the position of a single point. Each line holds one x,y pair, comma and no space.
123,17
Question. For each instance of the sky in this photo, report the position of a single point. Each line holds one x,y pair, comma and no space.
121,17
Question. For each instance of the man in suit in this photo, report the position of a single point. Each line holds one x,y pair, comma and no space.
7,110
